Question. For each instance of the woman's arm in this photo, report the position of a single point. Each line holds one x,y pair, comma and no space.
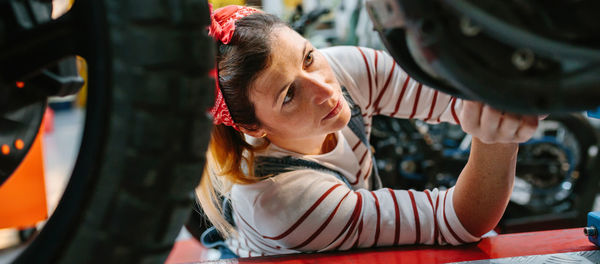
306,210
381,87
484,187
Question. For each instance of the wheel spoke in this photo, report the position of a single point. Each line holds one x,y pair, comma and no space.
37,47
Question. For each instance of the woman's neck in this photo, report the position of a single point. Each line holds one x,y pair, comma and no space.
308,146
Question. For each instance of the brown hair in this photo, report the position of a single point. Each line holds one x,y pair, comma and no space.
229,157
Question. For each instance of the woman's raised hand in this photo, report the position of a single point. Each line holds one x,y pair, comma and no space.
491,126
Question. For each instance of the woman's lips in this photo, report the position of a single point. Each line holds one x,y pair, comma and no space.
336,110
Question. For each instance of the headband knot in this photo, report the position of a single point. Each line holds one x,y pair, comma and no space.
223,21
221,28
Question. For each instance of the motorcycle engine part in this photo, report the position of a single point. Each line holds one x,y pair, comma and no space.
519,56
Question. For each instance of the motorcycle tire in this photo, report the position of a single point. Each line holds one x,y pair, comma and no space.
145,134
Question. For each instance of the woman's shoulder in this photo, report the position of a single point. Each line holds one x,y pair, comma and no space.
297,178
345,49
338,49
345,54
351,56
285,188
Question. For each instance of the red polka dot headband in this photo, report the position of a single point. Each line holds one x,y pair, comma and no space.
222,28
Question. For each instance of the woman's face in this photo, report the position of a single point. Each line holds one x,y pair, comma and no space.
297,97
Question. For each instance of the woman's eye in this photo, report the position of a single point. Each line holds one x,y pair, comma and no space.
289,95
308,59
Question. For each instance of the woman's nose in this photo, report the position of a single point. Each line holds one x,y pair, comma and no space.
319,88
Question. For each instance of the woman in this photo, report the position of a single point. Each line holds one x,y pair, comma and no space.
290,147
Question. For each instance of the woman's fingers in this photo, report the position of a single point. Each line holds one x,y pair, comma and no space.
490,124
493,126
509,127
470,116
527,128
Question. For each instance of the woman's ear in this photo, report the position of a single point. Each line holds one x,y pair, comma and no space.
257,133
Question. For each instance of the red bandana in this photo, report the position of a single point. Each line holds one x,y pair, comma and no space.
221,28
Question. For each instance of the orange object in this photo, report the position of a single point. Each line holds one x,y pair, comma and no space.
20,84
5,149
19,144
23,195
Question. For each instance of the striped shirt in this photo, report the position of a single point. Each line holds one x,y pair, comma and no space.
310,211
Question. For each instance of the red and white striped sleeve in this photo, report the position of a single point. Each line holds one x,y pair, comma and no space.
307,211
382,88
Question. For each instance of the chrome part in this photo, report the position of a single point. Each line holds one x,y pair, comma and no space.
590,231
468,28
523,59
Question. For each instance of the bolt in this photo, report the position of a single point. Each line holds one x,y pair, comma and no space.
523,59
590,231
468,28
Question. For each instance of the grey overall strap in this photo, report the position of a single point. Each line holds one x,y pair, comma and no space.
357,125
271,166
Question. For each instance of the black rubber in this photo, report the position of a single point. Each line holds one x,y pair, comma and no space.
145,135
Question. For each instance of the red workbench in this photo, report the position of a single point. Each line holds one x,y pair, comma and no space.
501,246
